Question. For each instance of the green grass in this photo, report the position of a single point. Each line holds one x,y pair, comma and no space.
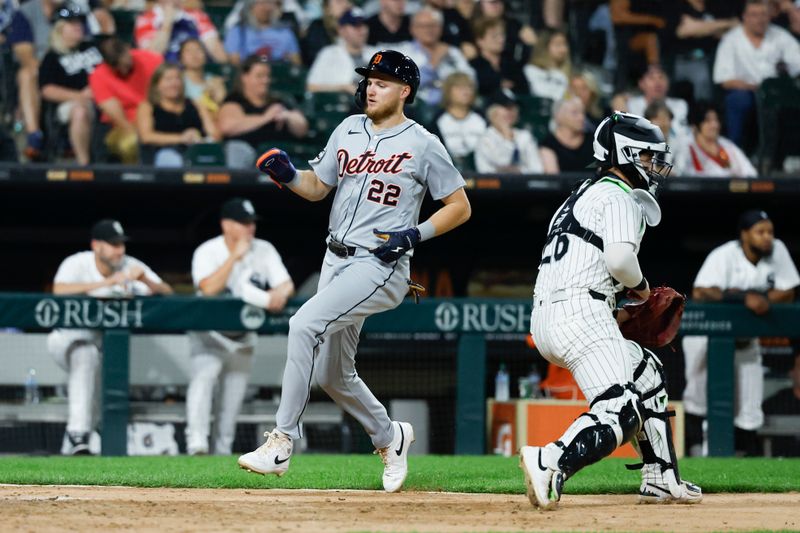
427,473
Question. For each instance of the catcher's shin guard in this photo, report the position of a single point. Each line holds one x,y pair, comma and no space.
612,420
661,480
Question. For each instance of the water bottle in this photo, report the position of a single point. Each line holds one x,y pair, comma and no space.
501,385
31,388
534,379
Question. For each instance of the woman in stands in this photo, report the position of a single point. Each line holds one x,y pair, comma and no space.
584,85
550,67
203,88
710,154
459,126
251,116
569,147
167,122
64,79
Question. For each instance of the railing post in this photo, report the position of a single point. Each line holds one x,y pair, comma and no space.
471,395
720,386
115,395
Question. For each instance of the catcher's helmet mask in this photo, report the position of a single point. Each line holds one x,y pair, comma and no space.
391,63
619,142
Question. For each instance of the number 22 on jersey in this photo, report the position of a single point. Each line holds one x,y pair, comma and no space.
383,193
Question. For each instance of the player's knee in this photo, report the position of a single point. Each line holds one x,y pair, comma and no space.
207,372
84,355
619,407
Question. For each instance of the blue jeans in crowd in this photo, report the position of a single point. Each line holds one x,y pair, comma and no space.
738,106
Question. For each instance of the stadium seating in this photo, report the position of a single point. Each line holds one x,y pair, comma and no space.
206,154
778,103
534,114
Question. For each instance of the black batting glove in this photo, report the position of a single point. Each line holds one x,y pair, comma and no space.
396,245
277,165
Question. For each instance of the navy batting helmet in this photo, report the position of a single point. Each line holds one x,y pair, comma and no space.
394,64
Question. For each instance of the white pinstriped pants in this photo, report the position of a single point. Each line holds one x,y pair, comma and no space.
580,334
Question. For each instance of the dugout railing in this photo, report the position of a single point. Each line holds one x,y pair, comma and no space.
474,321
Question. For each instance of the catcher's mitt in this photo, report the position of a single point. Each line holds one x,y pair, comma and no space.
654,322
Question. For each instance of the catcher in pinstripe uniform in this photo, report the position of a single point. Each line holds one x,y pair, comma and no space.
590,254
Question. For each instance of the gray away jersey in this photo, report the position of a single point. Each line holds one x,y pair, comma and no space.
608,209
381,177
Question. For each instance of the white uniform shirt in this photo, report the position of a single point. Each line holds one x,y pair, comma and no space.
494,151
726,267
261,265
432,77
700,163
335,66
738,59
551,83
677,106
461,136
609,210
81,268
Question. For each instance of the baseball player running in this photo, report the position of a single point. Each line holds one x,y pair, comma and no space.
381,164
756,270
592,243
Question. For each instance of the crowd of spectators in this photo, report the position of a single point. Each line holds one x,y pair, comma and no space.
70,78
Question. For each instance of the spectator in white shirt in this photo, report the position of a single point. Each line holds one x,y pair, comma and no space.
436,59
654,85
746,56
504,148
710,154
333,69
459,127
550,67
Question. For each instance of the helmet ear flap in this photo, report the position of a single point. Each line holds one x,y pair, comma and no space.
608,141
360,95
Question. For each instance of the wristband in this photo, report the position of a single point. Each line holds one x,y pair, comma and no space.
426,231
733,296
641,286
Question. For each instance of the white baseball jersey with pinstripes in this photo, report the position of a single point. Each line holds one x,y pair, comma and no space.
609,210
571,328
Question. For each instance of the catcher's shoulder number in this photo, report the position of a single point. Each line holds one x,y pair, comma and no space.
559,249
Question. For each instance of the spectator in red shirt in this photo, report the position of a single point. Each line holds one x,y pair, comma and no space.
168,23
119,85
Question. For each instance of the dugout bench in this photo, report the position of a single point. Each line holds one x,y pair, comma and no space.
473,320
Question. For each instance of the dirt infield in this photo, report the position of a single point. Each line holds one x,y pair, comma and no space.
59,508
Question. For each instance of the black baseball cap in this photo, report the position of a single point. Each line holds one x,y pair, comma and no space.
503,97
240,210
748,219
68,11
353,17
110,231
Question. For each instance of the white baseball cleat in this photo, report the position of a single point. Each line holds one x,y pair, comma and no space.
656,493
272,457
543,484
395,457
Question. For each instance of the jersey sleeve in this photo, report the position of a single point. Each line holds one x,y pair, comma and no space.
204,263
276,270
326,164
140,287
68,271
786,276
713,272
622,220
437,170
